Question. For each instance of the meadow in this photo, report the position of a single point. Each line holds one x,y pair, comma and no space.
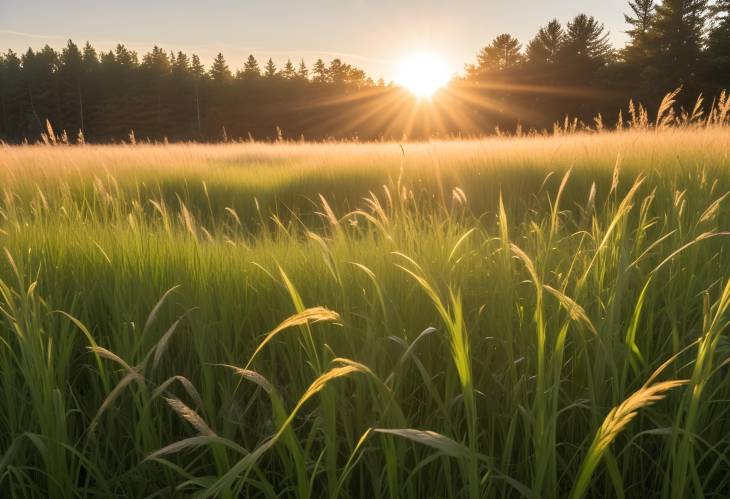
538,316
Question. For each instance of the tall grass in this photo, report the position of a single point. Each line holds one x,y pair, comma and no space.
534,316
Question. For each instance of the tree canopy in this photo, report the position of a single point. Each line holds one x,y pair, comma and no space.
565,69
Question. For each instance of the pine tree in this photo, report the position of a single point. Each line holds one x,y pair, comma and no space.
545,47
180,66
270,69
303,72
356,77
71,60
251,69
642,13
125,57
154,116
197,72
337,71
109,93
122,78
640,19
288,72
500,55
91,87
107,59
181,97
676,39
585,49
3,105
157,61
90,57
70,75
320,71
14,123
718,46
39,69
219,71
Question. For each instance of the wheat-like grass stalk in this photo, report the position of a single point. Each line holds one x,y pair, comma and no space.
109,355
190,416
527,389
252,376
665,115
307,316
576,312
187,385
329,214
615,422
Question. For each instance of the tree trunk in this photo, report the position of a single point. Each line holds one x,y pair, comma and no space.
81,103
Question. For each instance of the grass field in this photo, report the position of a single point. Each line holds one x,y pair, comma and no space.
507,317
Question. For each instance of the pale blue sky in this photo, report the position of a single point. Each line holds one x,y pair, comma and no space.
371,34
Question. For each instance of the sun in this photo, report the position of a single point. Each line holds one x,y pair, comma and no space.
423,74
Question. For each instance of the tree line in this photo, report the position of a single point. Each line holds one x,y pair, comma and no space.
572,69
568,69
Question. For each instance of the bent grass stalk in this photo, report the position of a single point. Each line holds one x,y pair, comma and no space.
540,278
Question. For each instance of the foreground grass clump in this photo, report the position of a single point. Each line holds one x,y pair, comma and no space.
540,317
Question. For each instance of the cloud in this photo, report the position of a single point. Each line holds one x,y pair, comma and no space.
209,47
32,35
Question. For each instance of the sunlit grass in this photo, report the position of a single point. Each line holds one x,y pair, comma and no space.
471,318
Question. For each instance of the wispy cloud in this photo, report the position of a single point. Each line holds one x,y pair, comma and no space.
209,47
208,50
31,35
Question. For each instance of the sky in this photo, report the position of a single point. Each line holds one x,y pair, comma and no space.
371,34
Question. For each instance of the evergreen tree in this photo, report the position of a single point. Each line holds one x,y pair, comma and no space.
289,72
180,66
125,57
251,68
675,40
545,47
718,47
183,102
3,98
39,69
157,62
320,71
71,61
91,88
357,78
14,125
500,55
90,58
154,115
303,72
170,95
197,70
270,69
70,74
337,72
219,71
107,59
640,19
122,77
585,49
